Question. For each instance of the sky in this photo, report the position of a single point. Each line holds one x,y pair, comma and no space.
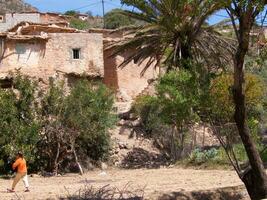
94,6
80,5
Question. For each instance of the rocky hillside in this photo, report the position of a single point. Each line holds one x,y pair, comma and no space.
15,6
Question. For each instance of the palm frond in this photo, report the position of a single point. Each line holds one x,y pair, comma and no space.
170,26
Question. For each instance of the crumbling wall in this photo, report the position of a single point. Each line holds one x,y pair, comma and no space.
44,59
59,53
11,19
24,56
128,80
50,18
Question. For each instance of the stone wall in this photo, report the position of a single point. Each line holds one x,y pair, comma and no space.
12,19
24,56
50,18
44,59
59,55
128,80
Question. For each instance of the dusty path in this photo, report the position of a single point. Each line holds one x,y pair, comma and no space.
157,181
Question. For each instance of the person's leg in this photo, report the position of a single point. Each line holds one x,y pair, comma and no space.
16,180
26,182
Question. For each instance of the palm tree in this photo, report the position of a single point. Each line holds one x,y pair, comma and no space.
173,31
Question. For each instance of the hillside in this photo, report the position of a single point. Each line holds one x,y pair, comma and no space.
15,6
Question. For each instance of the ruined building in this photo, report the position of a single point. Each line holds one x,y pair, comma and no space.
52,49
45,51
10,20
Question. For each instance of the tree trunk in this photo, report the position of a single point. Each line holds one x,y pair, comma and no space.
255,189
204,134
255,179
77,162
55,163
173,146
186,51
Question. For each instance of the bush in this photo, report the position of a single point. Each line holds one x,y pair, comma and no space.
114,19
199,157
169,115
19,129
89,110
215,157
53,126
107,193
147,108
79,24
222,100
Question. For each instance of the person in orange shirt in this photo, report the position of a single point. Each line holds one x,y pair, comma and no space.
21,172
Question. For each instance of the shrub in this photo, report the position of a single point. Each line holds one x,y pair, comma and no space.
19,129
147,108
215,157
114,19
89,110
199,157
54,125
107,193
170,114
76,125
79,24
222,100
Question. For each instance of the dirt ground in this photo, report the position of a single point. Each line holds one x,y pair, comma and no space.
171,183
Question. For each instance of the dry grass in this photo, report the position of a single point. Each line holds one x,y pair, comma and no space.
107,192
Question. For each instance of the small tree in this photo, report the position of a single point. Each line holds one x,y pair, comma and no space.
57,141
177,97
75,124
89,111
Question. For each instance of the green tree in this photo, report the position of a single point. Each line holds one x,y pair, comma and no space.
115,19
52,126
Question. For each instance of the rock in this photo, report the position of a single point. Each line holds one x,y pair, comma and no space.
103,173
117,151
123,145
123,108
104,166
121,122
117,164
89,166
136,122
132,116
48,174
125,131
34,175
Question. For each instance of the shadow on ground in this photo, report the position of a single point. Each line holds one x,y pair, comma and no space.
237,193
140,158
